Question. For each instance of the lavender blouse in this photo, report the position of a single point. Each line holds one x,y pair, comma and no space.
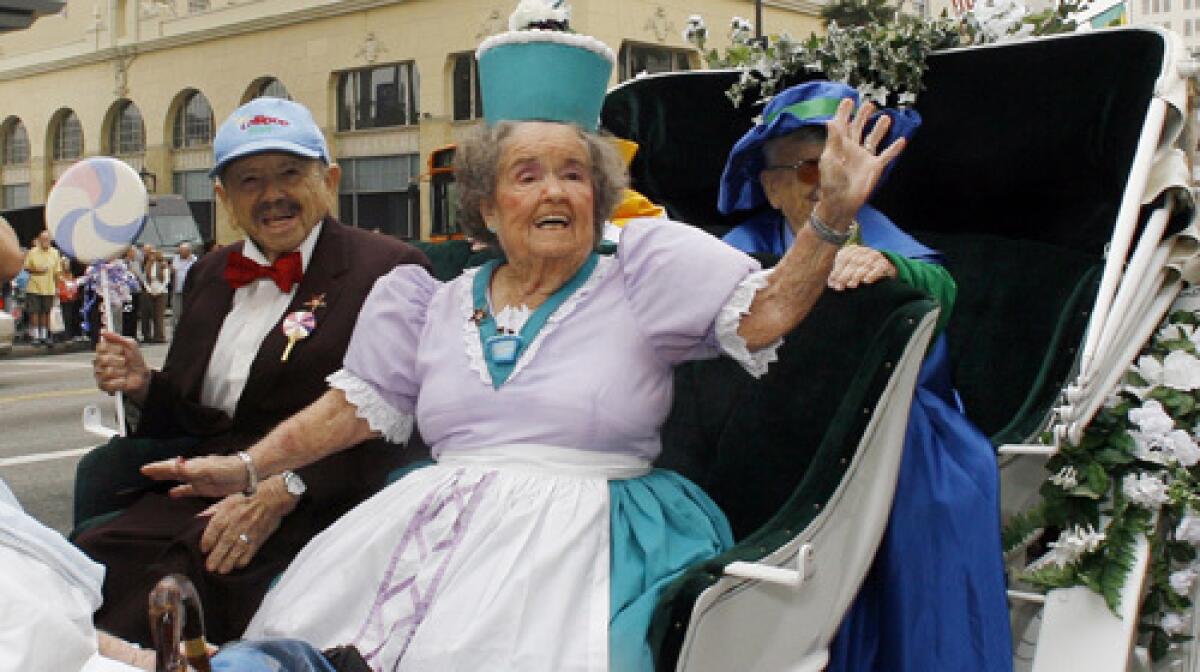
598,375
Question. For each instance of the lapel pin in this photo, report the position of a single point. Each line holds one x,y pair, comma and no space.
317,301
297,326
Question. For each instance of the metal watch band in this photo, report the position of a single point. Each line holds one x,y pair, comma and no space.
251,472
825,233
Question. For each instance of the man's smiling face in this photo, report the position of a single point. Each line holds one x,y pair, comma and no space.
277,198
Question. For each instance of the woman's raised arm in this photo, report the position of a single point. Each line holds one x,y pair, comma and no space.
326,426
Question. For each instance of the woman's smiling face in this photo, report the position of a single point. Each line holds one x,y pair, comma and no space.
543,206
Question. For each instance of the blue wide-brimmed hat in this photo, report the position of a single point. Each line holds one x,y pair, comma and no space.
808,104
544,75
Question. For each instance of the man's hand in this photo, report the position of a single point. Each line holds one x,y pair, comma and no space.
212,476
240,525
857,265
120,367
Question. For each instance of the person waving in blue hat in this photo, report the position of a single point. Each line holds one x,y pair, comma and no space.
935,597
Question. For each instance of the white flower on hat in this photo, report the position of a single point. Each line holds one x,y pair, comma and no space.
1146,490
532,12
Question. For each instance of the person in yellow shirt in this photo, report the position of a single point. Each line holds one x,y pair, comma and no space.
44,264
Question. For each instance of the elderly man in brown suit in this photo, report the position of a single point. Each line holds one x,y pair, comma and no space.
263,322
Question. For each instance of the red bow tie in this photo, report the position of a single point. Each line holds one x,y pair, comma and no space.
285,272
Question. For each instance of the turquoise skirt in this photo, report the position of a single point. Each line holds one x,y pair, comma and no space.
661,523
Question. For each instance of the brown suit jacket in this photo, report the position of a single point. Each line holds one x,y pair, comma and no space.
158,535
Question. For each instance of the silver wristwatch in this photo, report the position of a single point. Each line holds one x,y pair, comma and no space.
294,484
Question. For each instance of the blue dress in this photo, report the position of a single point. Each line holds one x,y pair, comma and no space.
934,599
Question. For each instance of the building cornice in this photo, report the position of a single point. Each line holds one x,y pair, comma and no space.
256,24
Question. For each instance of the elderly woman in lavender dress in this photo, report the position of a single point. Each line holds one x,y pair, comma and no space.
542,535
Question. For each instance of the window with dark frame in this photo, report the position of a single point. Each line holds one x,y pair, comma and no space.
196,187
381,193
15,196
194,122
68,138
636,59
378,97
468,104
128,133
273,88
16,144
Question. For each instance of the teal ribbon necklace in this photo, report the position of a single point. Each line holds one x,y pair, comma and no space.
502,350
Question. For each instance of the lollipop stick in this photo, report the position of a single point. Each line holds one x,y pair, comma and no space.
288,350
109,323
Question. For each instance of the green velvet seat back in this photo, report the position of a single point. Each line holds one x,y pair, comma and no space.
772,452
754,445
1016,327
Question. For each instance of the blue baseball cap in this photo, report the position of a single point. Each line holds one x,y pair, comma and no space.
268,125
808,104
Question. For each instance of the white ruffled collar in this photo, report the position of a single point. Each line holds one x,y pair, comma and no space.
474,347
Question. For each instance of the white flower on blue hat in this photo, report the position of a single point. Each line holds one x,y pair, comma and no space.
534,12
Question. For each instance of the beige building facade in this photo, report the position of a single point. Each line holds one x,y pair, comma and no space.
389,81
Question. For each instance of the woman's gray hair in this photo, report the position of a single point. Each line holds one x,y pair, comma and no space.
477,162
772,147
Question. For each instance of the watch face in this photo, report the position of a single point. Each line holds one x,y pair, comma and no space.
294,484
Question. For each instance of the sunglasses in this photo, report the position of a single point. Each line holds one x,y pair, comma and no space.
808,171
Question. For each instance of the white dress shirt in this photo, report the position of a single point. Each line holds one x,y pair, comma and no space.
257,309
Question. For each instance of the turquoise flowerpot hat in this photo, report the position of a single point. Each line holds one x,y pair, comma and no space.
544,75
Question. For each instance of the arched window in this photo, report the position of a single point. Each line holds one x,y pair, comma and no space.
127,135
16,144
273,88
68,137
194,122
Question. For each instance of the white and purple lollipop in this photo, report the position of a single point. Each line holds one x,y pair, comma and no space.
96,209
94,212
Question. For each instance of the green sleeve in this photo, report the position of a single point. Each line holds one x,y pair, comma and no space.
932,279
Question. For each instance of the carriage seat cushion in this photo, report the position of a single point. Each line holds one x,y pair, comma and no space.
1021,311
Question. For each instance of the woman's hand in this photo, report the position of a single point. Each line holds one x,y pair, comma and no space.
212,476
119,367
240,525
857,265
850,166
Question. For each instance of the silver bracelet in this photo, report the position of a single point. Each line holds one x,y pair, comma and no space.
827,234
251,472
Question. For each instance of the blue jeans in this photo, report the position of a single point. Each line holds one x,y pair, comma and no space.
270,655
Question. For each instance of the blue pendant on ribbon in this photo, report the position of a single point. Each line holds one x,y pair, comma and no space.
503,348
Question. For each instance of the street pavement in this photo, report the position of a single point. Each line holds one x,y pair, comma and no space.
42,396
